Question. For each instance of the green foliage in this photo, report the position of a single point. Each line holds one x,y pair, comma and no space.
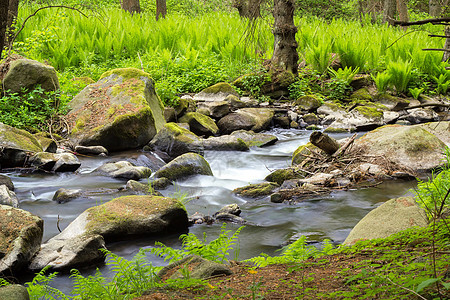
415,92
400,73
3,282
325,9
298,251
433,195
346,75
337,89
131,278
253,82
39,287
31,110
443,83
216,250
382,80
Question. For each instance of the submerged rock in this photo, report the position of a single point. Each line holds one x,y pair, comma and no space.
91,150
184,166
125,170
391,217
121,111
257,190
20,238
118,219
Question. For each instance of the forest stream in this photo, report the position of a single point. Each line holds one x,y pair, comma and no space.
270,225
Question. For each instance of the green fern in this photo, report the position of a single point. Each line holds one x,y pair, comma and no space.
3,282
39,288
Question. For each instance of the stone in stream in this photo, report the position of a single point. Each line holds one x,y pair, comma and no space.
184,166
391,217
255,119
48,144
16,145
257,190
8,197
176,140
91,150
200,124
117,220
20,238
125,170
14,292
6,181
411,148
215,109
121,111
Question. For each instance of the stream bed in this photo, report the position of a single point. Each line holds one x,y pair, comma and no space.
270,226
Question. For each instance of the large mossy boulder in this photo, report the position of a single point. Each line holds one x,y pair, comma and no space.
255,119
14,292
121,111
176,140
184,166
391,217
16,145
302,152
26,74
217,92
20,238
440,129
410,147
308,102
119,219
200,124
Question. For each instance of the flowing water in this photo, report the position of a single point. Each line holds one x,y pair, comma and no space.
270,225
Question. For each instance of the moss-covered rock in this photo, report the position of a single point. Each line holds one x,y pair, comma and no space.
27,74
199,268
225,143
391,102
257,190
176,140
311,119
301,153
331,129
124,170
120,111
184,166
200,124
253,139
280,175
20,238
48,144
361,94
410,147
16,145
217,92
440,129
14,292
119,219
308,102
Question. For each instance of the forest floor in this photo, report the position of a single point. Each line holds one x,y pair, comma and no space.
339,276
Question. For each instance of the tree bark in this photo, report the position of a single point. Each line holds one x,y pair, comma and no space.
250,9
132,6
161,9
389,11
4,4
285,56
446,55
324,142
402,11
434,8
13,10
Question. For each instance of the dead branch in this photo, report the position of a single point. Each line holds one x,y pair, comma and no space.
434,21
427,105
435,49
345,146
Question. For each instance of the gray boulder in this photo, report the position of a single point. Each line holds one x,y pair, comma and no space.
8,197
16,144
215,109
63,195
225,143
440,129
121,111
391,217
56,162
20,238
125,170
409,147
361,118
91,150
255,139
14,292
27,74
422,115
118,219
6,181
308,103
176,140
48,145
255,119
184,166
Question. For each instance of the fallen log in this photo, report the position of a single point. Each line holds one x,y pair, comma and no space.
324,142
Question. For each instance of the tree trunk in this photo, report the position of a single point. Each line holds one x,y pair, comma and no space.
13,10
402,11
389,11
4,4
434,8
285,56
446,55
161,9
132,6
250,9
324,142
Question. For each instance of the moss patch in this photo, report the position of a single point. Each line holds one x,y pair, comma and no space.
221,87
11,137
369,112
256,190
126,73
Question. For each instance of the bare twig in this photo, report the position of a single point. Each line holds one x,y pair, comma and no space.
406,289
344,147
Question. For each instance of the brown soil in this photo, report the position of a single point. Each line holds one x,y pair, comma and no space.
309,280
